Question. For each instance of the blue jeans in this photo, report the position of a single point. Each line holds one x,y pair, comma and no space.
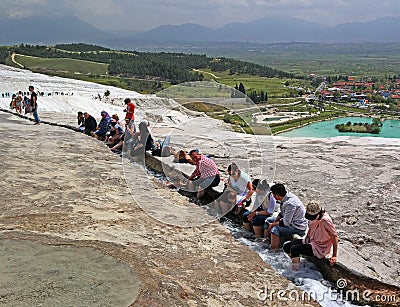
36,116
283,231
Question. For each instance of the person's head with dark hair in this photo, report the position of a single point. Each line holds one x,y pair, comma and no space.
80,114
261,185
233,169
278,191
255,183
31,88
194,151
195,155
127,100
143,127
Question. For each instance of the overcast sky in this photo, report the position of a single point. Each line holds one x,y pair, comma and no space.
146,14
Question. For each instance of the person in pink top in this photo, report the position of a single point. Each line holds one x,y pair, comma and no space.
320,238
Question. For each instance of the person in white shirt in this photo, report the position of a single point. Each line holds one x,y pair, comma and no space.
240,183
264,206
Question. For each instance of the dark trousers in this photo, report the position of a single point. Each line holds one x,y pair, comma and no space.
296,248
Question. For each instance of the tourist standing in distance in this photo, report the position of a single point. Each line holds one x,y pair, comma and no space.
321,237
13,103
206,174
291,219
34,104
130,109
18,102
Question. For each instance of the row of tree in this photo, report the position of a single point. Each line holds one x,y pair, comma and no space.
172,67
254,95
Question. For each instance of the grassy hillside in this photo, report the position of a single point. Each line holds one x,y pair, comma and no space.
62,65
151,72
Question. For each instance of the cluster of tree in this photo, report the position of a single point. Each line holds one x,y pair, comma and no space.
241,67
162,70
254,95
258,97
172,67
81,47
4,54
373,128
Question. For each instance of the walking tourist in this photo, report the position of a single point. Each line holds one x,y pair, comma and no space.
34,104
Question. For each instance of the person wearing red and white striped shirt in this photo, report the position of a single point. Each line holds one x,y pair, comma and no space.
206,174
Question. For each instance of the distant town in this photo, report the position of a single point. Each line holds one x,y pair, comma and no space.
374,96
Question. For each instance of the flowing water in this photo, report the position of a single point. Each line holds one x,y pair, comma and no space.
307,278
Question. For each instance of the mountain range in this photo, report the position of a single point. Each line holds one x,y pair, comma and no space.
66,29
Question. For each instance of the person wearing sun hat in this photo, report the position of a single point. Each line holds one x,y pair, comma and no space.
320,239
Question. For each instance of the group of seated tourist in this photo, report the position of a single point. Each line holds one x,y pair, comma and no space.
110,130
300,230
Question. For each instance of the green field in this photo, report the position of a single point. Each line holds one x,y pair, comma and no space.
62,65
275,87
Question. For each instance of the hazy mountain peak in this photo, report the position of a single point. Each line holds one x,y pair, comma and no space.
69,28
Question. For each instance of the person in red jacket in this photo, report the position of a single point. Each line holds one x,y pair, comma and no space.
130,109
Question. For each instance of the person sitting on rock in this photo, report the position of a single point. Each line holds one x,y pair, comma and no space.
116,133
90,123
145,141
182,156
162,148
206,174
223,204
290,220
103,127
128,139
239,182
264,206
320,239
81,122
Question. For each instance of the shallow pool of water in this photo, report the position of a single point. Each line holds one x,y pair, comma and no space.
326,129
